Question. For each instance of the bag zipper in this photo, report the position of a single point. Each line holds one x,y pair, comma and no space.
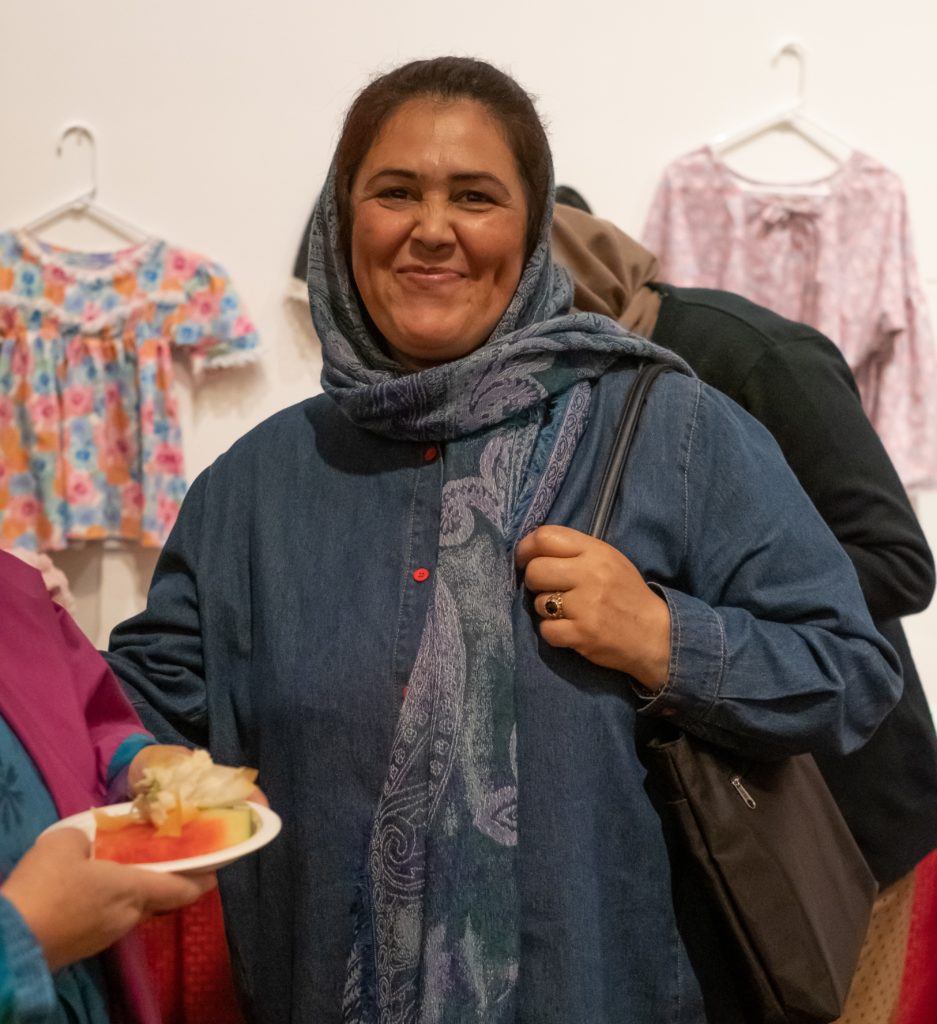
748,799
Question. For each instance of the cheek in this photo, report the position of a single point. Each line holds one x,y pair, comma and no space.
372,244
500,254
506,276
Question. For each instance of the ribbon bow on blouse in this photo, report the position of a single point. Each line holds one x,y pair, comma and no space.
794,221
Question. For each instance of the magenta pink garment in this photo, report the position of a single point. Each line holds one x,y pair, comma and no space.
841,261
57,693
67,709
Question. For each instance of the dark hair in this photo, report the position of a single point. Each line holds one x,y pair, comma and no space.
568,196
447,78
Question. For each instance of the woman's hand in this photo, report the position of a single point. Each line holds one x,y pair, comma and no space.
76,906
608,613
56,582
152,756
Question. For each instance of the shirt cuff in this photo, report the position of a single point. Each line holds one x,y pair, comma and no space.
120,764
697,659
27,992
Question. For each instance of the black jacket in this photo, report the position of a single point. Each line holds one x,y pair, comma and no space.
796,382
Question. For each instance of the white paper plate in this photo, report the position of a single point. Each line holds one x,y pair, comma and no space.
266,827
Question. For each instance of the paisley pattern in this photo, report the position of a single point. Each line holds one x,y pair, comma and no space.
436,934
576,415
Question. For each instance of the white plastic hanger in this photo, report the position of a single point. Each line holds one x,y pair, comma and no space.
790,117
85,203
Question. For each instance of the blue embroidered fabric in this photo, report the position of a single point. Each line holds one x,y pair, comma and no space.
75,994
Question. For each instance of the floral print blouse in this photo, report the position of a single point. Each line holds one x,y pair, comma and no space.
90,445
839,258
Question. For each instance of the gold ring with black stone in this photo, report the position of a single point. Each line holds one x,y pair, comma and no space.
553,606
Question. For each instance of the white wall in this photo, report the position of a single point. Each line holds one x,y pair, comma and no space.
215,122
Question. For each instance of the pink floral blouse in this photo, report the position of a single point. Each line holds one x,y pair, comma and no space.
840,259
90,446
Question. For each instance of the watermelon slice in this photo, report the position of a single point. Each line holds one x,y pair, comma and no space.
209,830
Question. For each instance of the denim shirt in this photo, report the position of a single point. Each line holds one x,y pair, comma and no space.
284,618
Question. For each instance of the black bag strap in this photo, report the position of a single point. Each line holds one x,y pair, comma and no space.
621,448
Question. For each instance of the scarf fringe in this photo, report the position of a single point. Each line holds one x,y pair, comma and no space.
359,1000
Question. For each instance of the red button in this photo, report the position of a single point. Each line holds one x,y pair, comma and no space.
430,453
421,575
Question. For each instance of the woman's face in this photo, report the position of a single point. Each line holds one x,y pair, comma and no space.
438,230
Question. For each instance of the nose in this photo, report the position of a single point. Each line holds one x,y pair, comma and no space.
433,227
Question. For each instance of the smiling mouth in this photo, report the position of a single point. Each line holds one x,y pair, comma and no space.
429,276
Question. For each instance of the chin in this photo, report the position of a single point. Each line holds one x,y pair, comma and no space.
429,348
423,356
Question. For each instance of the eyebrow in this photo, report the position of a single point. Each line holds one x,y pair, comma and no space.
462,176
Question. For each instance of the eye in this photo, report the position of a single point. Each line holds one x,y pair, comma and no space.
472,197
395,193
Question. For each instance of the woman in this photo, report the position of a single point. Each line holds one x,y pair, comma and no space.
467,836
67,740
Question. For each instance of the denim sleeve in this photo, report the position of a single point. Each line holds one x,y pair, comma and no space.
27,994
157,655
772,648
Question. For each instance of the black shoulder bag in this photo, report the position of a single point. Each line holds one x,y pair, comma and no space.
779,865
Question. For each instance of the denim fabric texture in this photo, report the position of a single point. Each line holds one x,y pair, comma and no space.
797,383
284,620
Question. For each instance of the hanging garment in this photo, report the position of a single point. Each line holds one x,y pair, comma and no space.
90,445
840,259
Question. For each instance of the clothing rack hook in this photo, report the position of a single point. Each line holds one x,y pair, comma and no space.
82,132
794,49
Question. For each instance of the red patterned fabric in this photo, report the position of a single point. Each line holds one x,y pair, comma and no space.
918,1003
188,957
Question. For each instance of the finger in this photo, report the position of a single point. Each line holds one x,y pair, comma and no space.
550,574
152,756
164,753
162,892
540,602
71,842
551,541
258,796
559,632
205,880
55,580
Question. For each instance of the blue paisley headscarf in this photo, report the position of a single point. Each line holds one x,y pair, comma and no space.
436,937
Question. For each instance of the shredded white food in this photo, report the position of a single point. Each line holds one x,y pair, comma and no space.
189,780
